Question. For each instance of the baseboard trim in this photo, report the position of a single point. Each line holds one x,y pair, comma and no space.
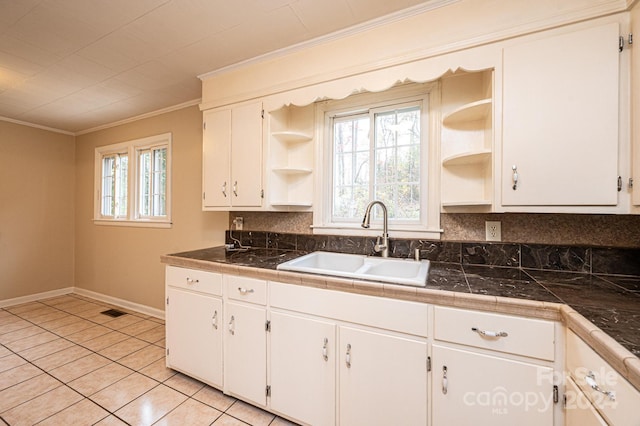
143,309
35,297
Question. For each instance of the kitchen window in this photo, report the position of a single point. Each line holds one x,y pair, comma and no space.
133,182
379,146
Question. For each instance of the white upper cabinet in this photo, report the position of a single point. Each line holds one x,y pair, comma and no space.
232,158
561,120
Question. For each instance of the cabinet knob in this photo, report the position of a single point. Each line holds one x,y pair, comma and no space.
515,176
590,378
243,290
191,281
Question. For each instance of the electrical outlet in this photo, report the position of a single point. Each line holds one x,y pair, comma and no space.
492,231
238,222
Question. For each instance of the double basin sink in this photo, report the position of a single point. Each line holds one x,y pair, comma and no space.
390,270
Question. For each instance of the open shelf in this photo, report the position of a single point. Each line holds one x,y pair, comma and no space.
472,111
470,203
291,204
292,170
290,136
467,158
467,142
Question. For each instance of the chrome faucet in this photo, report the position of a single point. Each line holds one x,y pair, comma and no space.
384,247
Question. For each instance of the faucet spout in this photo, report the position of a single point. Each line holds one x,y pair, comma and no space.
383,248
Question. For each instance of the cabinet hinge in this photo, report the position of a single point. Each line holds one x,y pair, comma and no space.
621,42
555,394
267,391
428,363
262,114
630,183
267,326
564,401
262,193
204,195
167,351
204,125
167,300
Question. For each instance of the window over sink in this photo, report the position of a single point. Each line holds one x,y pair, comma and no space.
378,146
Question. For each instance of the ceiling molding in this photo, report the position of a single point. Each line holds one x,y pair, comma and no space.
36,126
356,29
140,117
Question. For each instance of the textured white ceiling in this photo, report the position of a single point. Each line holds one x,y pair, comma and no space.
75,65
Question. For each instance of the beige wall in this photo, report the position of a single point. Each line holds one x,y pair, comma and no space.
36,210
124,262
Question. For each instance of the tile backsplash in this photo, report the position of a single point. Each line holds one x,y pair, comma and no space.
524,228
583,259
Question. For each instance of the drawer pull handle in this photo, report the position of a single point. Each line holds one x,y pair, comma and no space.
243,290
214,320
488,333
224,189
192,281
591,381
325,353
232,326
348,358
445,382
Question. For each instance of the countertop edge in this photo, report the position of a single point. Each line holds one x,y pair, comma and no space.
620,358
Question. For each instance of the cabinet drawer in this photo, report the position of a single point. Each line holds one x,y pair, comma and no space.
582,361
520,336
246,289
193,279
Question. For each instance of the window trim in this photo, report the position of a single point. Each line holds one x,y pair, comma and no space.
429,224
133,148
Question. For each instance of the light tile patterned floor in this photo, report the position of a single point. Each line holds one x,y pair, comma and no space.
62,362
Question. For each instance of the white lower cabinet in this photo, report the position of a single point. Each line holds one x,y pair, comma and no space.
493,369
470,388
303,368
194,321
194,324
382,378
245,352
610,394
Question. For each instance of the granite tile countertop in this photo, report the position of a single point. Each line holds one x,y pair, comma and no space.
610,302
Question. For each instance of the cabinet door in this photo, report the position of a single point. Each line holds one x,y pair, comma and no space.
303,368
246,155
216,151
245,352
194,335
475,389
383,379
560,120
578,408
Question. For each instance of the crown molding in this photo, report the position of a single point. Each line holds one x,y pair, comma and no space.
36,126
356,29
